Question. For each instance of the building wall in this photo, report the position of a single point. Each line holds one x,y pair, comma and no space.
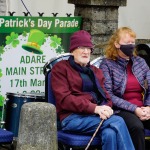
2,7
136,16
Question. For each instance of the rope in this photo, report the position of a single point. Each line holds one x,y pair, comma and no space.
26,7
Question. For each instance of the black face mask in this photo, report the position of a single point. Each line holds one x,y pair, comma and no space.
127,49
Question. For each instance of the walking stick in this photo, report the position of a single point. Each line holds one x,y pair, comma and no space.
94,135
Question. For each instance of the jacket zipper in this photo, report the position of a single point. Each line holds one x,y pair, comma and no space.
139,83
125,81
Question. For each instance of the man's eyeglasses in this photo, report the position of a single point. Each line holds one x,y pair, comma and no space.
84,48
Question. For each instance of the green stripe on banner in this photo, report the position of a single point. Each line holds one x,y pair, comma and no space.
46,24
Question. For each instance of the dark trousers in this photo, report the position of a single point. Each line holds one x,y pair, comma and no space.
136,128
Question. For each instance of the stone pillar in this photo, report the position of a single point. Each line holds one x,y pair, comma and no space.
100,18
2,7
37,127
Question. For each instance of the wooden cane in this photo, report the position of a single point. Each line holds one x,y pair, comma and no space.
94,135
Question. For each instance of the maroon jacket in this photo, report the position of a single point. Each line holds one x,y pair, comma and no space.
67,89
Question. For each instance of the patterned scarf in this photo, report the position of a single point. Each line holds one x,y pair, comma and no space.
89,81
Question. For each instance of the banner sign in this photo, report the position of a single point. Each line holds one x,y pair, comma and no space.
46,24
26,44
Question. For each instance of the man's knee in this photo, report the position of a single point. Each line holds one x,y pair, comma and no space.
117,120
108,135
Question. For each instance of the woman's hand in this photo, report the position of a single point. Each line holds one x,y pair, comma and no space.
104,111
141,113
147,111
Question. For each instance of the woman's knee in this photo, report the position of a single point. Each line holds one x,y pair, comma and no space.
137,126
138,129
131,120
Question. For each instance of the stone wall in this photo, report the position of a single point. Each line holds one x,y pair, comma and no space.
2,7
143,41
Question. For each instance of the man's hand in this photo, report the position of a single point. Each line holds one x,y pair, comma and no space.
104,111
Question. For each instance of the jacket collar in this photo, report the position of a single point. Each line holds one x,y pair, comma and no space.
123,62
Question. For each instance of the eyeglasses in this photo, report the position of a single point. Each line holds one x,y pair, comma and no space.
84,48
